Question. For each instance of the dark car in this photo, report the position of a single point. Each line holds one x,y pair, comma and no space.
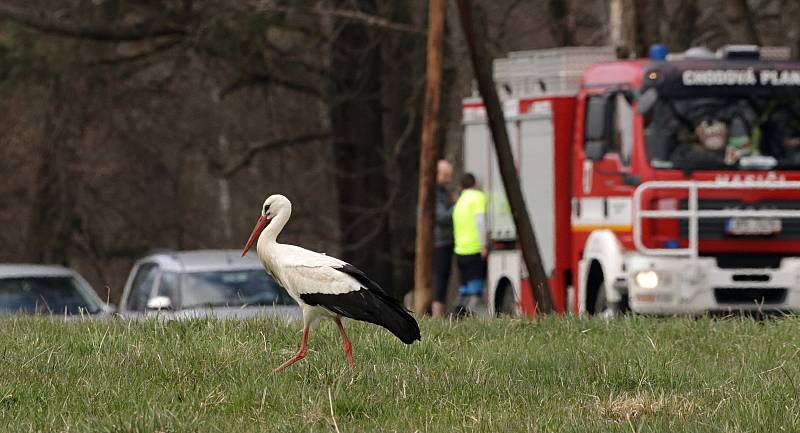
44,289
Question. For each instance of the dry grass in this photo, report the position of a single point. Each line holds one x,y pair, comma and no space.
627,408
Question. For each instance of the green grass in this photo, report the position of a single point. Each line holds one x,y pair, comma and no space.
556,374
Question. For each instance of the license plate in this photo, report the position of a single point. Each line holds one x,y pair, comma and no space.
752,226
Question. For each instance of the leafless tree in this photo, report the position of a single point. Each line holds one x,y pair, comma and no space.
129,125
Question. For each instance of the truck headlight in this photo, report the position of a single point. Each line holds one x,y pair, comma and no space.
646,279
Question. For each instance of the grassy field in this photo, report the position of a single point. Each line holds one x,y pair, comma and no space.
556,374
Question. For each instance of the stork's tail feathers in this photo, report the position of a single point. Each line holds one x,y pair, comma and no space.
396,319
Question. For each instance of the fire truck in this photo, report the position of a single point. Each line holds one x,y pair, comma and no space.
662,185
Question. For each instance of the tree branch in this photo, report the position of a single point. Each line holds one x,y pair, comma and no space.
235,164
263,80
353,15
113,61
95,32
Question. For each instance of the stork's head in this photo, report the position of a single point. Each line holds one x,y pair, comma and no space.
273,206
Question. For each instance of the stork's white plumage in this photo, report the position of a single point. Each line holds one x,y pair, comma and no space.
324,286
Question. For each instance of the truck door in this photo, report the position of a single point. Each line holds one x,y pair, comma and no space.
606,182
602,189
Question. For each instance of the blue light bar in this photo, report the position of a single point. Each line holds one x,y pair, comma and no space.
658,52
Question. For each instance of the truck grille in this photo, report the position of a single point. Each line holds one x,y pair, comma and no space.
714,228
750,296
745,260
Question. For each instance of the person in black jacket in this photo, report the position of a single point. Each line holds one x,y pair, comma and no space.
442,237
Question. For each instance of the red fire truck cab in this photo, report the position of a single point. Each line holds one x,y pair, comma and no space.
663,186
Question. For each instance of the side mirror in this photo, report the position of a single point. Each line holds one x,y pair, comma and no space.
159,303
647,100
599,125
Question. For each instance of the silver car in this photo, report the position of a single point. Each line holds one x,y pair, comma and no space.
218,283
45,289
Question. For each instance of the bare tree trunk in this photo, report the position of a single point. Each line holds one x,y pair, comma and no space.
356,120
54,217
505,159
562,23
622,27
789,17
742,26
403,65
684,25
427,158
46,198
225,197
650,24
629,26
615,24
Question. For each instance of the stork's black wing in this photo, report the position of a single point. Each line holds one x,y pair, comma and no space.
369,304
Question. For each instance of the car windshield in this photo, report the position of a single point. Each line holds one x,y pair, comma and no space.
729,133
231,288
44,295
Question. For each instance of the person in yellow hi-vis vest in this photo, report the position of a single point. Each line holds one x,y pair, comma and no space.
470,244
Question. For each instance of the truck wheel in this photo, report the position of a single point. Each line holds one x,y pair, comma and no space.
596,302
504,302
601,307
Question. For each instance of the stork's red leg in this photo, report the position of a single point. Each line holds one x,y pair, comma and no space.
300,353
348,348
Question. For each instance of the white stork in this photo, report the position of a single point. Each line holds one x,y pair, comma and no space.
324,286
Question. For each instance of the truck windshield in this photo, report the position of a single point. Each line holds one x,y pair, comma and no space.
724,133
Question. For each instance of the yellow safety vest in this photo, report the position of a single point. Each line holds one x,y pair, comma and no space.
465,231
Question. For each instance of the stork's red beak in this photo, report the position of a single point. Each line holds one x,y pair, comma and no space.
261,224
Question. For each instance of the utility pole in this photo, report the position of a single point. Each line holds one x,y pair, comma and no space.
505,159
427,158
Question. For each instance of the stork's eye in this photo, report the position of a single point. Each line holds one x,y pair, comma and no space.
266,208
